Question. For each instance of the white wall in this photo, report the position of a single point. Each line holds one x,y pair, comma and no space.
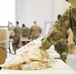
59,7
28,11
41,11
7,12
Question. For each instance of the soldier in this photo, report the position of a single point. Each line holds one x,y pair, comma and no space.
61,45
67,20
16,37
10,26
35,31
25,33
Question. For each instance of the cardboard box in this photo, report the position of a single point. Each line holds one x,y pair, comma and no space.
3,55
3,44
71,47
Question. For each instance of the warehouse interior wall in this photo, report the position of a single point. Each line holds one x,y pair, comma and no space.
27,11
41,11
7,12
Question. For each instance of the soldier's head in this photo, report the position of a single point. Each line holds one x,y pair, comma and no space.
59,16
8,22
71,1
17,22
34,21
23,25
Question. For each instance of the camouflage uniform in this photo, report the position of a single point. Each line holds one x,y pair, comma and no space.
16,37
67,20
25,32
35,32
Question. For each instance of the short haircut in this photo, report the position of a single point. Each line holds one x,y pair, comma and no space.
17,22
34,21
23,25
59,16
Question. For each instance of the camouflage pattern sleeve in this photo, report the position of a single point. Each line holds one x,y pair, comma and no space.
73,19
58,32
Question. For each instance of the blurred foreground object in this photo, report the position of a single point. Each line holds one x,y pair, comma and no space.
3,44
35,31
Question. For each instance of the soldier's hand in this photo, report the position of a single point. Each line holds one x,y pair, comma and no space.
64,56
43,52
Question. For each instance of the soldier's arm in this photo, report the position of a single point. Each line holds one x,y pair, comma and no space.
58,32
